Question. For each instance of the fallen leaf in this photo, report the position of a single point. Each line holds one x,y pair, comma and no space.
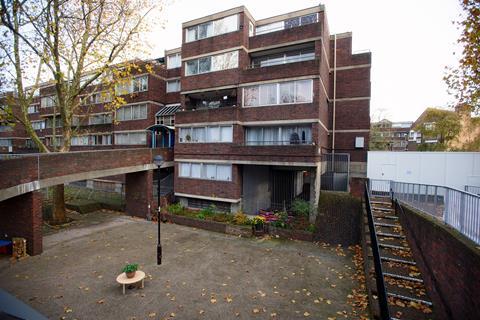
101,301
152,314
255,310
306,314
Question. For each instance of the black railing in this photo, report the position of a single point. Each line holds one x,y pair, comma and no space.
381,291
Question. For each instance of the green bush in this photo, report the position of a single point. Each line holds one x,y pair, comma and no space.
311,228
241,219
301,207
222,217
200,216
176,208
209,211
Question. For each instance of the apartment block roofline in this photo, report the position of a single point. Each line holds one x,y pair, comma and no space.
172,51
292,14
341,35
215,16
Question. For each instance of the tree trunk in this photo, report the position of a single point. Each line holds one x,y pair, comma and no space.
58,211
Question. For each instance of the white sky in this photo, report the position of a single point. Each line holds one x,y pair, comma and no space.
411,43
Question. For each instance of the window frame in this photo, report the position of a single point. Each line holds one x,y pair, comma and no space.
195,30
177,58
184,131
185,167
259,90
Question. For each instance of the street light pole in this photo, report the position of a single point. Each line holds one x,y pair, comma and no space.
158,161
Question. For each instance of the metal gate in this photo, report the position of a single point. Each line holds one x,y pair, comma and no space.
335,171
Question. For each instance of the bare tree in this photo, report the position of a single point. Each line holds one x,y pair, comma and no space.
74,45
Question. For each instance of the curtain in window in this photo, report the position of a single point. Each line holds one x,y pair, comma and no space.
213,134
198,134
251,96
204,64
192,67
224,172
254,135
303,92
270,136
287,92
210,171
226,133
196,170
184,169
268,94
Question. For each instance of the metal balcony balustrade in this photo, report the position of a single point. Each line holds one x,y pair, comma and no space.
456,208
282,61
278,143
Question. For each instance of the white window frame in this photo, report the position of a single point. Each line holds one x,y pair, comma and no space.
213,33
33,108
131,107
211,58
129,134
278,94
41,122
130,85
174,60
185,171
184,131
173,86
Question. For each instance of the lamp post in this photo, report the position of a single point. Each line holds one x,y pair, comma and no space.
158,161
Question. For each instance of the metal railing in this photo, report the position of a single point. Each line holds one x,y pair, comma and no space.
283,60
473,189
381,290
457,208
278,142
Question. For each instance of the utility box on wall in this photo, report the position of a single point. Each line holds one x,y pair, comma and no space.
359,142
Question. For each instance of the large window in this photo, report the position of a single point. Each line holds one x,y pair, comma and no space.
5,142
33,108
92,140
48,102
38,125
218,62
49,122
222,134
207,171
132,112
285,135
299,91
212,28
173,86
283,58
174,61
131,138
287,24
100,118
97,97
137,84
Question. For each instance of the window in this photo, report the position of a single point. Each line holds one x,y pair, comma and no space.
100,118
38,125
5,142
97,97
287,24
174,61
80,141
210,171
132,112
283,58
284,135
131,138
218,62
173,86
251,29
212,28
166,120
32,109
29,144
299,91
49,122
222,134
48,102
137,84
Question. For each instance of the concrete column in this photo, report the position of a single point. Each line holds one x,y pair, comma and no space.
315,175
139,193
21,216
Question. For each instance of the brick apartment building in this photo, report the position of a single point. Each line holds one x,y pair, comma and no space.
256,105
393,136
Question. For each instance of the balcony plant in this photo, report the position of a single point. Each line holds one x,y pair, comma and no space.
130,270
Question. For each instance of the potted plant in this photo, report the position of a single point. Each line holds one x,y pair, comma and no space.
258,225
130,269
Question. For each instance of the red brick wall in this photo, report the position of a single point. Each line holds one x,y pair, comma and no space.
21,216
139,194
288,35
450,265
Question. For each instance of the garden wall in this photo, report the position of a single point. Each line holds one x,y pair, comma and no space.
339,218
450,265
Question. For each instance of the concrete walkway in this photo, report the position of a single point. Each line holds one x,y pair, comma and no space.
204,275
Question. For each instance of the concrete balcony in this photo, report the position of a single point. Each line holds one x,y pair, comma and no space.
280,71
276,38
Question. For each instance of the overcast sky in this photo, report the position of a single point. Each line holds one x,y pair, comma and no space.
411,43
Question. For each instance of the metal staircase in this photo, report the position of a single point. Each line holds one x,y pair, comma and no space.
395,280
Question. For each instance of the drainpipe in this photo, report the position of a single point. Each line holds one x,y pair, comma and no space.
334,90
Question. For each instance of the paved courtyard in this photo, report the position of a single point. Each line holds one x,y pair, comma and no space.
204,275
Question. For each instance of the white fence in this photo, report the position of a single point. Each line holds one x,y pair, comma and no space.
452,169
455,207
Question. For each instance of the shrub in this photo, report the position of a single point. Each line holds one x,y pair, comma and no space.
241,219
200,216
258,220
282,220
176,208
222,217
209,211
311,228
301,207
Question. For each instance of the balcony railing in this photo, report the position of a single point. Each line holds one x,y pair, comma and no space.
283,60
457,208
279,143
